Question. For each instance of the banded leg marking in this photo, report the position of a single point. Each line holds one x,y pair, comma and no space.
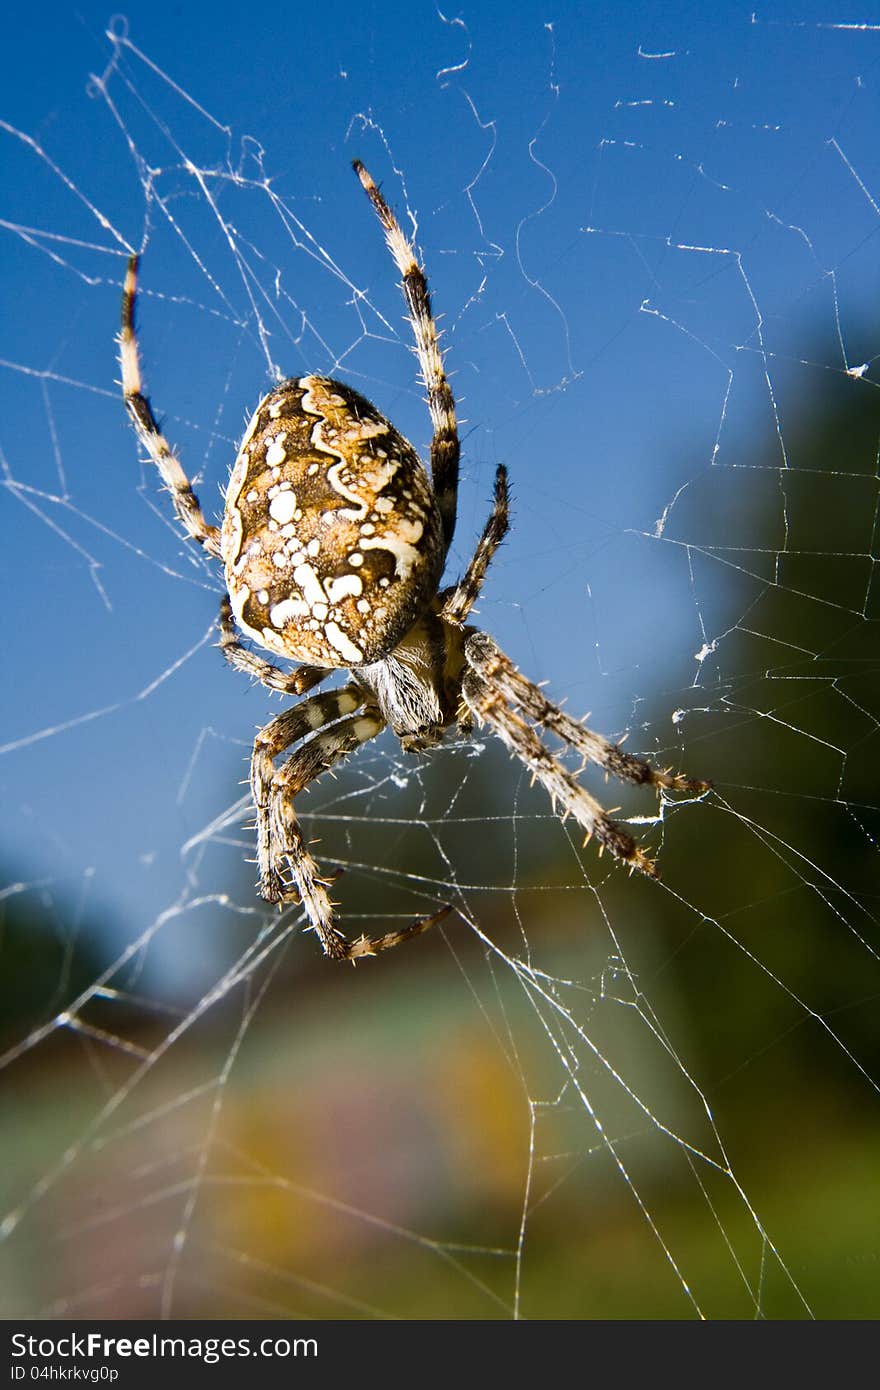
186,504
295,682
445,447
490,661
489,707
279,835
275,738
466,592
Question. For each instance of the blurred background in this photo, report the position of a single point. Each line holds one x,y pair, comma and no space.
652,236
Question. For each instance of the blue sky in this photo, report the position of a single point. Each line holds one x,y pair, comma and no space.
626,213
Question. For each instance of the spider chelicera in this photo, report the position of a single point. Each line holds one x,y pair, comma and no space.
334,542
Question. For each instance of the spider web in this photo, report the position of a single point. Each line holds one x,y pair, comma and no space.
654,247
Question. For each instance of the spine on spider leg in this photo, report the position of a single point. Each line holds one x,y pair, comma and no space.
296,682
567,795
366,946
464,595
445,447
137,403
285,859
488,658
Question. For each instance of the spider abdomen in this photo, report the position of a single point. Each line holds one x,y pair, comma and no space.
331,539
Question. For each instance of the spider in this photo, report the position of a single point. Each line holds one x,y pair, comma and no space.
334,542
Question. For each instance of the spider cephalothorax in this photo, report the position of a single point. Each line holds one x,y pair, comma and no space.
334,541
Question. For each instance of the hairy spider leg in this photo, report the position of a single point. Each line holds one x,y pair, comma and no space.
489,706
445,447
459,602
486,657
288,728
186,504
279,835
295,682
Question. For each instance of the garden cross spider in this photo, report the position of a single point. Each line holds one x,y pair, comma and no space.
334,542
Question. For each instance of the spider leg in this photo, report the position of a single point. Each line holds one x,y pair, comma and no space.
295,682
461,600
289,727
445,448
279,836
186,504
490,707
490,661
